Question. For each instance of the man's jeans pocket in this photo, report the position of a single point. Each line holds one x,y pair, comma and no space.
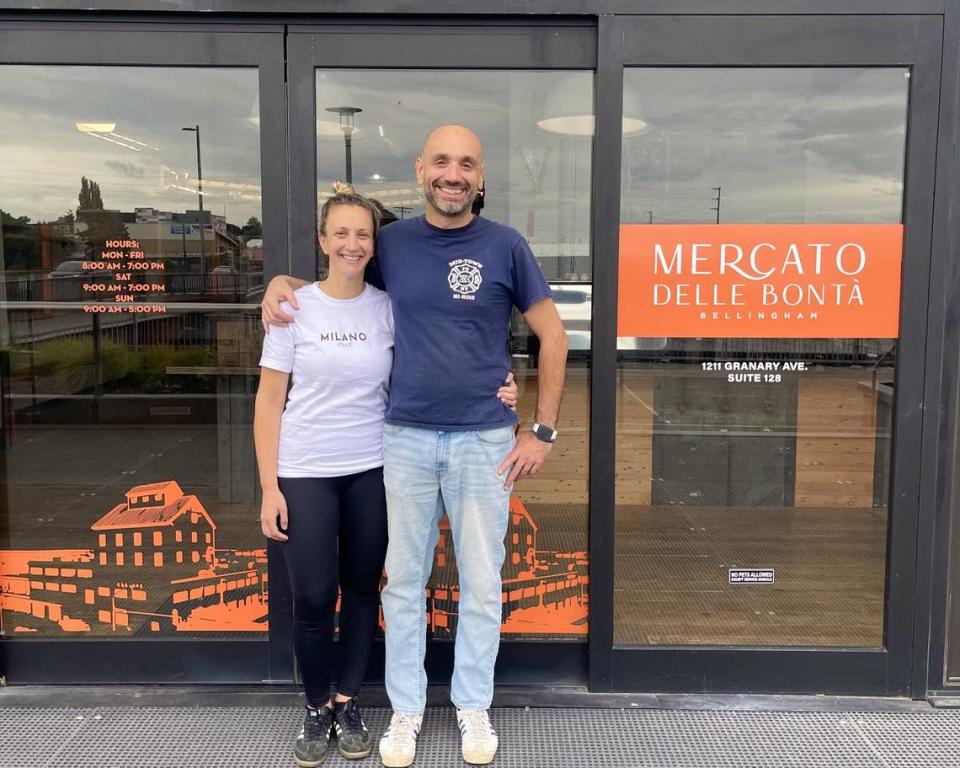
496,436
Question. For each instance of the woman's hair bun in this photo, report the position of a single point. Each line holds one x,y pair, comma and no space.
341,187
344,193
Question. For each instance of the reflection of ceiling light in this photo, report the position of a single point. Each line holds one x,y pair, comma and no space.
171,179
104,137
569,108
96,127
105,132
386,194
142,144
327,129
582,125
185,189
231,185
374,177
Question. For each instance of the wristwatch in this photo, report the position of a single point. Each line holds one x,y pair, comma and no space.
544,433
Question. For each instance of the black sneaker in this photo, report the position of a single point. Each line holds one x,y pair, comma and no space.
353,738
314,739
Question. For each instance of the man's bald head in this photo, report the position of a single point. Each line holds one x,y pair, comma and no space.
452,134
450,171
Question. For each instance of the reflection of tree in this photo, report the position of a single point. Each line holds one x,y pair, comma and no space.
89,195
18,241
253,228
95,224
6,219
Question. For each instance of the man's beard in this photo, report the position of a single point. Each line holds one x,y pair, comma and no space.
450,209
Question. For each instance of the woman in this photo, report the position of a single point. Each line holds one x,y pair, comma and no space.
320,455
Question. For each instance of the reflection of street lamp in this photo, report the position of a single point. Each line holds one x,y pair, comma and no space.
347,126
203,259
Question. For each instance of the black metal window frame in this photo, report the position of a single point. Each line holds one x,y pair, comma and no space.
912,42
181,660
518,45
940,484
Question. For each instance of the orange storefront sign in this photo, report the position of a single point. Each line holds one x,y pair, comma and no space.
760,280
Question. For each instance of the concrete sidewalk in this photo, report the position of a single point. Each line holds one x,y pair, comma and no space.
54,728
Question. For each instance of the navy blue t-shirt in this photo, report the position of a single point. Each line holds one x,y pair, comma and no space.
452,292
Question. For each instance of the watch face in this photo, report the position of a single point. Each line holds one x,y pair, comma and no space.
543,432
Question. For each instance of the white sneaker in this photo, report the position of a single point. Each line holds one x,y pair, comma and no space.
478,740
398,747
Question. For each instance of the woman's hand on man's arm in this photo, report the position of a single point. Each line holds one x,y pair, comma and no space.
508,394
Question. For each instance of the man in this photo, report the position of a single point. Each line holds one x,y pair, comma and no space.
453,279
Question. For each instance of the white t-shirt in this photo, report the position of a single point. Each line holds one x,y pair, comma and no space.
340,352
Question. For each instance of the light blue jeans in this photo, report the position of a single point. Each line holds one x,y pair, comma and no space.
425,471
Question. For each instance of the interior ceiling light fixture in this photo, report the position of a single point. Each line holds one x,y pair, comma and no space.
567,108
328,130
107,132
96,127
583,125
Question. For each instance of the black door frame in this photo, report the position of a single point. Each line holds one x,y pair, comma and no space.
180,660
769,41
937,598
558,45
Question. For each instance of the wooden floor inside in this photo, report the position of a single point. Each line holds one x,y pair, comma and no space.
828,549
672,586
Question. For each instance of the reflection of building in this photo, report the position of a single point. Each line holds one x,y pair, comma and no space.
176,236
155,568
543,592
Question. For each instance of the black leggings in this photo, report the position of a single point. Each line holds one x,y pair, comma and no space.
337,528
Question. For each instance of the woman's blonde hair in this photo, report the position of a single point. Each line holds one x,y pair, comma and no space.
345,194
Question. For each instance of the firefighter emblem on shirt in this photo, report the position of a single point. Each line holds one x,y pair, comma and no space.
465,278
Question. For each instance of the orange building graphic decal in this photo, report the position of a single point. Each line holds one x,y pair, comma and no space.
544,593
760,280
154,567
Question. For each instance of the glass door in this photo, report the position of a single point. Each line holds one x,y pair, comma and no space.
363,100
143,203
773,232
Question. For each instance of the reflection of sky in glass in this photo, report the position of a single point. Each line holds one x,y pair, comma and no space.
784,145
146,161
537,182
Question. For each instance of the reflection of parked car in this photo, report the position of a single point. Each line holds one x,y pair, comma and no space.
68,277
575,306
67,268
225,279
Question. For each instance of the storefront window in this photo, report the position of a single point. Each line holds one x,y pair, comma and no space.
536,128
758,315
131,264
